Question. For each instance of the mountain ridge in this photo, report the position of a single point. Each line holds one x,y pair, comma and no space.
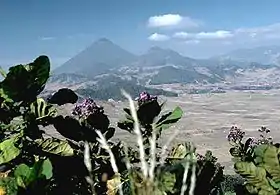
108,66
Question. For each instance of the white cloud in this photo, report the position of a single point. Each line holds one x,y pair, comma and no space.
220,34
241,35
46,38
158,37
201,43
182,35
172,20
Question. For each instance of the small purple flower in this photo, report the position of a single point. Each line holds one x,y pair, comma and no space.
86,108
235,134
145,97
254,142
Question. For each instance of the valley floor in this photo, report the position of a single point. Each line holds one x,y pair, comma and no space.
208,118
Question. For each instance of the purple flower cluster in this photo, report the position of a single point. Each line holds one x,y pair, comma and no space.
145,97
86,108
235,134
254,142
264,138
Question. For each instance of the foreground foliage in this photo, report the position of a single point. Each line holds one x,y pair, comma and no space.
257,161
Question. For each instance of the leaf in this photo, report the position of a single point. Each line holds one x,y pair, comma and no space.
26,175
113,185
259,154
15,84
275,185
169,119
63,96
254,175
148,112
25,82
127,111
39,71
271,163
41,109
179,152
234,151
168,181
8,186
2,72
56,146
252,189
47,169
8,150
126,125
109,133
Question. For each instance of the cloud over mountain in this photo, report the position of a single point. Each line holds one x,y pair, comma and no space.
158,37
172,21
220,34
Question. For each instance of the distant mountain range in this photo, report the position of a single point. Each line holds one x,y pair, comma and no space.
263,55
105,66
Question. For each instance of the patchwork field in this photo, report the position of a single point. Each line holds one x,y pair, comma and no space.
208,118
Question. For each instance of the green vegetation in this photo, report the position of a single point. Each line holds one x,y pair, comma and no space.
87,161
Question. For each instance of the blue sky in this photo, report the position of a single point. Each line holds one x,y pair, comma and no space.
195,28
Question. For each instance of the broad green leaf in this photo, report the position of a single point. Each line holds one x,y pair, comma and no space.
26,175
8,150
254,175
259,153
275,185
40,71
41,109
169,119
56,146
271,163
47,169
25,82
15,84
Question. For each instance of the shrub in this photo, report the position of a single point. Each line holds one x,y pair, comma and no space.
257,162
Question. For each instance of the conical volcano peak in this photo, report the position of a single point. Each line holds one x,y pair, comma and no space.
98,58
104,40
